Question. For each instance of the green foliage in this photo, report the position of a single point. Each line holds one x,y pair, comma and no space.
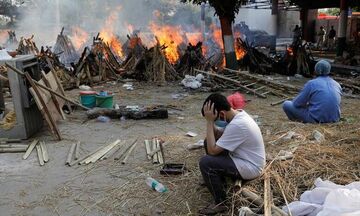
223,8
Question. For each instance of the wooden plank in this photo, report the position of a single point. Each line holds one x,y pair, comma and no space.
93,158
155,156
47,114
40,155
267,195
30,148
12,150
13,146
147,149
70,154
46,88
77,150
53,97
129,152
160,153
44,152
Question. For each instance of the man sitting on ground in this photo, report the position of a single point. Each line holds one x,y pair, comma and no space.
239,153
319,101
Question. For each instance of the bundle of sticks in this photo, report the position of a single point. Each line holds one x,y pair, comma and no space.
193,58
27,46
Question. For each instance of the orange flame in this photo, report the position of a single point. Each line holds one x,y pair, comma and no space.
290,51
108,36
79,37
217,37
171,37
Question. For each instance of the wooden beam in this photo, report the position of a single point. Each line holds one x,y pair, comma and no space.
233,81
267,195
129,152
48,115
30,148
70,154
46,88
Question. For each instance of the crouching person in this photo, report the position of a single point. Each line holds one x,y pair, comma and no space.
239,153
319,101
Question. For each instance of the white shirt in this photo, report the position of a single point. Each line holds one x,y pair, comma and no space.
243,139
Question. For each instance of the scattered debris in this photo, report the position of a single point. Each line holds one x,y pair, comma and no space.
198,145
173,169
155,112
191,134
154,151
192,82
318,136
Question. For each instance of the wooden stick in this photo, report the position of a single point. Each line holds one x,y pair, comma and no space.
283,194
30,148
280,101
48,89
44,152
70,154
111,152
55,99
40,155
155,156
232,80
267,196
5,140
3,78
255,199
81,160
147,148
129,152
12,150
77,150
122,153
13,146
93,158
50,118
160,153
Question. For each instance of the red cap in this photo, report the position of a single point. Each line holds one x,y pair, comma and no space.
236,100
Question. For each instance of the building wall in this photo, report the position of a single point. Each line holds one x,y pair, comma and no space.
287,22
353,25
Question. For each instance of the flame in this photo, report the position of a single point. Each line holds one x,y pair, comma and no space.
79,37
290,51
171,37
217,35
130,28
108,36
193,38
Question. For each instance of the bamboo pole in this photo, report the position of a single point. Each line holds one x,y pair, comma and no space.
12,150
44,152
70,154
129,152
40,155
30,148
77,150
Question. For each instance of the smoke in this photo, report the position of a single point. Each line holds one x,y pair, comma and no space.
45,18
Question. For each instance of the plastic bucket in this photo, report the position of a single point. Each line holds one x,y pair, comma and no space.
88,99
104,101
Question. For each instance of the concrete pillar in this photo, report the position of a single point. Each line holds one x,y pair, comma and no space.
342,27
274,18
308,19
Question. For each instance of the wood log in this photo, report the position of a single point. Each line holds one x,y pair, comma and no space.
12,150
44,151
143,113
129,152
77,150
257,200
40,155
70,154
13,146
30,148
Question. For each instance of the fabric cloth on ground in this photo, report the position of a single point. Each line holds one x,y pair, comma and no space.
244,141
319,101
328,199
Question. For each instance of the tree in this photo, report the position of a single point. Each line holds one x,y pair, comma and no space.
226,10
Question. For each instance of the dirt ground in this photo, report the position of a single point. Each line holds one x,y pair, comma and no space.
110,188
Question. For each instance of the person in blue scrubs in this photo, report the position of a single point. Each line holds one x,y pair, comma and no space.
319,101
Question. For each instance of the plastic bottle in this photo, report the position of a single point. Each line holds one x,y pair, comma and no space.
155,185
103,119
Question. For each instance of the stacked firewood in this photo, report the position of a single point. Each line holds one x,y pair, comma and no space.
27,46
149,64
193,58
